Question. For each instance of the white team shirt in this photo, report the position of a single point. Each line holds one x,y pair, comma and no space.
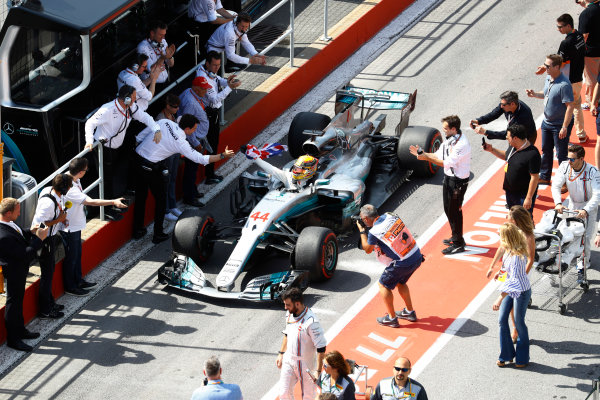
583,186
110,123
204,10
153,53
47,211
224,39
143,95
220,88
304,336
172,142
76,214
456,154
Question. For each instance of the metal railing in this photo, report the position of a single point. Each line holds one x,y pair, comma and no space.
595,393
98,182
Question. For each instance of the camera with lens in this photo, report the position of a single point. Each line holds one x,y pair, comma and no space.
356,218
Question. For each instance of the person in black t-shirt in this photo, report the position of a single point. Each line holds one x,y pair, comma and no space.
572,50
589,26
522,169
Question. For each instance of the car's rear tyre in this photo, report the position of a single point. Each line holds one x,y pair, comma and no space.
301,122
190,234
317,251
429,139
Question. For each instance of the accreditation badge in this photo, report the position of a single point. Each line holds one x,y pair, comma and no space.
506,168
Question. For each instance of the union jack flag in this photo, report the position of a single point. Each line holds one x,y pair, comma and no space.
266,151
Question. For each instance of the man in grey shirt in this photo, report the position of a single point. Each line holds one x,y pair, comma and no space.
558,115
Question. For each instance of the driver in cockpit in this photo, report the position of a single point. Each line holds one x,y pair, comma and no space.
303,170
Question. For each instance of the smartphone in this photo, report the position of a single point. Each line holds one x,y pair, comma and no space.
483,143
125,201
472,125
42,225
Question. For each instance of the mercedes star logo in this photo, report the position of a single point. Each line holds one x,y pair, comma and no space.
8,128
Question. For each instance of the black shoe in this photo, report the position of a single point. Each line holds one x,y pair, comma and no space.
19,345
77,292
453,249
139,233
87,285
447,242
58,307
113,215
54,314
199,195
27,334
213,179
161,237
194,203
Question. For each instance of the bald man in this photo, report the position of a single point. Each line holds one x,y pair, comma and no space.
400,386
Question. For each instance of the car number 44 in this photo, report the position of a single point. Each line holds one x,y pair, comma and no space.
257,216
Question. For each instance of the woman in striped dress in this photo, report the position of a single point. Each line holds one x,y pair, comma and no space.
515,293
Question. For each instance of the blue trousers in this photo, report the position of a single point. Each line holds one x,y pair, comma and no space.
550,141
72,261
507,348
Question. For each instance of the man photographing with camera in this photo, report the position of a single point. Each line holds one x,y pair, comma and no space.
395,247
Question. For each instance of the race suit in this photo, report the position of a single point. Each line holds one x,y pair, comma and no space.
584,194
304,336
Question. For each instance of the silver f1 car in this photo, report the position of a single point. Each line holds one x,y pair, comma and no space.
358,164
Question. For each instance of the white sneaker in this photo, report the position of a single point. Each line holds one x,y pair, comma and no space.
176,211
171,217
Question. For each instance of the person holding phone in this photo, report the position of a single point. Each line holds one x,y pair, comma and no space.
17,249
73,280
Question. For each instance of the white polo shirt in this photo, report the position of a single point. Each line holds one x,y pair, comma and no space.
225,38
46,210
220,88
172,142
456,154
143,95
76,214
153,53
204,10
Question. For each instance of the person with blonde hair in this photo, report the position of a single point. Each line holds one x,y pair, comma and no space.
519,216
334,378
515,293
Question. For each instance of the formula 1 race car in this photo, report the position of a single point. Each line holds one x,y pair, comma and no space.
358,164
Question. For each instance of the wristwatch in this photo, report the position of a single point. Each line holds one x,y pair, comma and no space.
222,155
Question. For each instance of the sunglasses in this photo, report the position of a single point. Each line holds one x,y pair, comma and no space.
325,365
548,66
572,159
560,26
174,105
402,369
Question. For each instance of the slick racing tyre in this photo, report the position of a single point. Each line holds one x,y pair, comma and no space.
429,139
317,251
301,122
190,236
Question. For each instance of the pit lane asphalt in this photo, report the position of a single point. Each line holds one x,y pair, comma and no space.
136,340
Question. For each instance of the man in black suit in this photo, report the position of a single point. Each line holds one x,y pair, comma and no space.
17,250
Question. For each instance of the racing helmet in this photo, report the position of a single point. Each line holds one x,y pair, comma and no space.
305,167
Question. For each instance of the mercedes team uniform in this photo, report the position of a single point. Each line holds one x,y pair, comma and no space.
109,125
305,337
225,38
131,78
455,152
584,194
154,51
152,172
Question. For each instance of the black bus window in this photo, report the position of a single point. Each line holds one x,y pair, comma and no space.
44,65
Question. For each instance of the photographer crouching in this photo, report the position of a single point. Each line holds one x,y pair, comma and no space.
395,247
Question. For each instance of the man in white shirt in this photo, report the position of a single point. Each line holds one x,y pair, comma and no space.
158,51
152,172
583,184
217,92
455,156
144,90
226,37
109,125
50,211
303,338
206,16
73,281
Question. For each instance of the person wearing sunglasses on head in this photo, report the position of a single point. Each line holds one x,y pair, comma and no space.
334,378
399,386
